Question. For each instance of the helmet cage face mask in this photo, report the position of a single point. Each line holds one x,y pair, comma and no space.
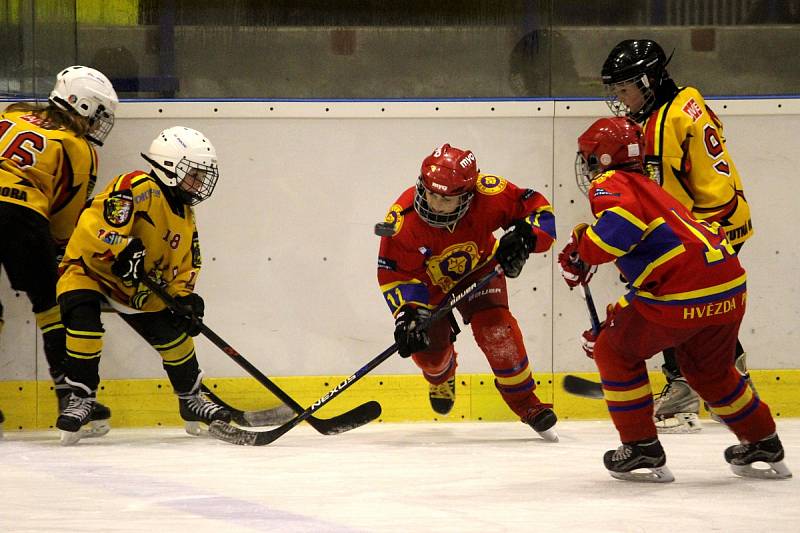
100,125
619,108
196,180
586,169
436,219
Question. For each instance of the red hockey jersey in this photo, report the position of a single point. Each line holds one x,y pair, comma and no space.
419,264
681,271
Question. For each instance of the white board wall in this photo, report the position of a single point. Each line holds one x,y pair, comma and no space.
289,255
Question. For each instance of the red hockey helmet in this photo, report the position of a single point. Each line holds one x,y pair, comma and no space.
613,142
448,171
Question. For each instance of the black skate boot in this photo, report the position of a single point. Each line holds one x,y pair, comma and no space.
76,415
649,455
196,408
770,451
99,418
2,419
443,396
542,419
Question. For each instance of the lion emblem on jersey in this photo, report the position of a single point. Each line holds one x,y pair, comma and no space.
455,262
491,185
118,207
395,217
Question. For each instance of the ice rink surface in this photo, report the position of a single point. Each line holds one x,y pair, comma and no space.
421,477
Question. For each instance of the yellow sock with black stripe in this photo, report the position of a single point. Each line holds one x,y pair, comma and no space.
53,335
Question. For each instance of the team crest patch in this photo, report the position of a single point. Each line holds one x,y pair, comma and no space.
452,264
491,185
395,217
118,207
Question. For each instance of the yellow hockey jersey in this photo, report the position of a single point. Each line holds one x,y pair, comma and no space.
133,205
685,151
50,171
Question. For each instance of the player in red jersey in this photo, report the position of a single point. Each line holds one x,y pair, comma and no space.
685,151
443,236
687,290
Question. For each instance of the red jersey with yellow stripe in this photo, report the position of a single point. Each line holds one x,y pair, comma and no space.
133,205
681,271
685,149
419,264
49,171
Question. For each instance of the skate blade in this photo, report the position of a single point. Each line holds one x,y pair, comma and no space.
776,470
69,438
195,429
660,474
94,429
550,435
679,423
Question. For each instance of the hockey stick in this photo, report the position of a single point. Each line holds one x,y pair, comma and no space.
358,416
234,435
577,385
267,417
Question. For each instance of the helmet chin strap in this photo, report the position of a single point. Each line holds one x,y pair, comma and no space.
160,167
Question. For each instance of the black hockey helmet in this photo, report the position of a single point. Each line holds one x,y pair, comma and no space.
639,61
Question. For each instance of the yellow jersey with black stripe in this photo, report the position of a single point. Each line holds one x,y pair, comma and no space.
133,205
50,171
685,151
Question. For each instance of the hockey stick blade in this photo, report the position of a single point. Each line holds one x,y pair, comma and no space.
324,426
267,417
357,417
583,387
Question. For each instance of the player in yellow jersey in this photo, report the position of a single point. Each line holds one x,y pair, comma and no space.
142,224
685,152
48,168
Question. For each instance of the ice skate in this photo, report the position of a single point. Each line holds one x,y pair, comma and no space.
2,419
542,419
443,396
676,408
623,462
98,425
73,418
195,409
743,457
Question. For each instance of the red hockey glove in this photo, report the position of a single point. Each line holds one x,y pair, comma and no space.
589,337
574,271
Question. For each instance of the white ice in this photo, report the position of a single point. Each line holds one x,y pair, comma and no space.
437,477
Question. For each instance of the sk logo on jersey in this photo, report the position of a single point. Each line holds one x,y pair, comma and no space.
452,264
117,208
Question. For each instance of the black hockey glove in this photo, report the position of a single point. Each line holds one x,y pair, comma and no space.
129,266
408,335
515,247
188,317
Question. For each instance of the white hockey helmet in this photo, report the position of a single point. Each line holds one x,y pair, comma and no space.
184,158
87,92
